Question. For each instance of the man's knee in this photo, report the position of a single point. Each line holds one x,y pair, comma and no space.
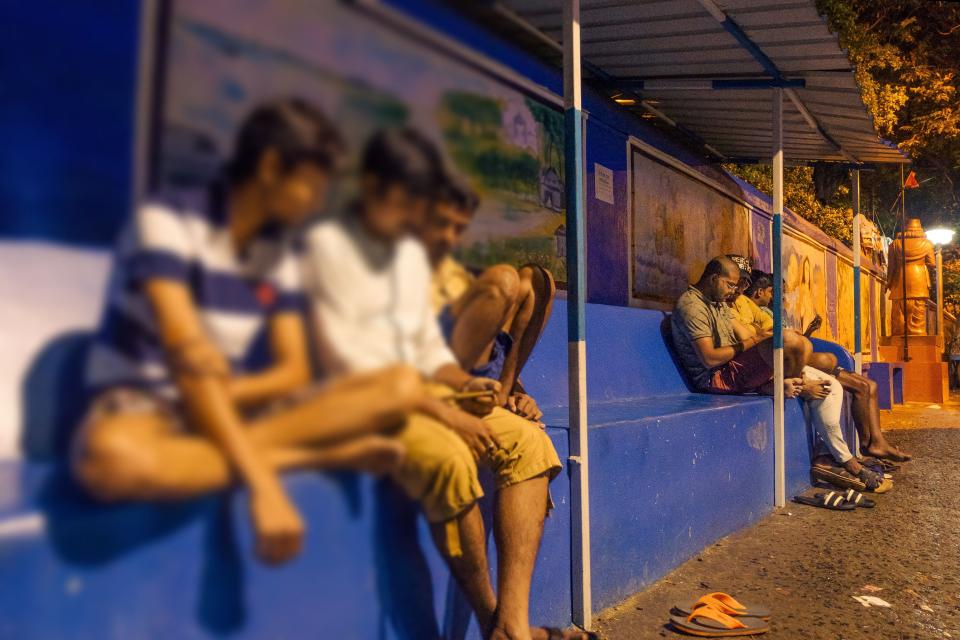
501,282
112,465
539,281
455,487
796,345
826,362
405,385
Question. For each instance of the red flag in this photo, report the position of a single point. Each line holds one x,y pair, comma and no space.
911,182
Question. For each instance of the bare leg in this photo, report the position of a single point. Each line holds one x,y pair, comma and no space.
535,304
142,457
518,526
145,456
371,403
470,569
481,312
866,415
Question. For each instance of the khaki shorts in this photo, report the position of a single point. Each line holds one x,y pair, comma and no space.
440,472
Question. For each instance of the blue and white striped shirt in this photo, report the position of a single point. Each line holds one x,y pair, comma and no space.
235,295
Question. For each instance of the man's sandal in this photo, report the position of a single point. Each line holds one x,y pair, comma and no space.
837,476
851,497
875,482
724,603
707,622
832,500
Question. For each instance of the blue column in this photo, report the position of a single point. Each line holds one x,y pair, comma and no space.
576,343
779,450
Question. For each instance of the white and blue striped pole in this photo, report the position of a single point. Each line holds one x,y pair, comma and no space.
779,451
576,344
857,311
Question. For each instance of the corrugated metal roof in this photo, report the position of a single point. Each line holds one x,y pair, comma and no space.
669,52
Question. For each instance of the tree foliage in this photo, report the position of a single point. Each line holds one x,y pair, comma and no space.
834,218
906,55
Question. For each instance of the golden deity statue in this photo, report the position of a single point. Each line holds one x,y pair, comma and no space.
919,255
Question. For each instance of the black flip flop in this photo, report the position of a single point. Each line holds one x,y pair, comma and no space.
832,500
853,497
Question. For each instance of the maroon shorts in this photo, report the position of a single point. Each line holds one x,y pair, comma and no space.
746,372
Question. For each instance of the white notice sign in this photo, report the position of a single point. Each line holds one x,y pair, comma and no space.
603,183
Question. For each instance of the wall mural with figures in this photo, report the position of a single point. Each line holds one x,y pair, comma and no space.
364,76
679,222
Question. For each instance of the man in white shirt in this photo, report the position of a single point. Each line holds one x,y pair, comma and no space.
369,283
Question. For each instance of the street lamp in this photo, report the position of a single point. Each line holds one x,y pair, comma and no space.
940,236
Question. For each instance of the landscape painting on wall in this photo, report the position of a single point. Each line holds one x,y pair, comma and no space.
679,223
365,76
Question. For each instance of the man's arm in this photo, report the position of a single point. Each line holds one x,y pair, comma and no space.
290,369
741,330
202,374
712,356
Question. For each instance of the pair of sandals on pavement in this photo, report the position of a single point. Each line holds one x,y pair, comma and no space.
720,615
837,500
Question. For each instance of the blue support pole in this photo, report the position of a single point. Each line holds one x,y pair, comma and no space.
576,343
779,451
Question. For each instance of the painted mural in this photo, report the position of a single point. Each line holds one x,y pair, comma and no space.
830,271
845,334
223,61
805,286
678,224
865,306
762,243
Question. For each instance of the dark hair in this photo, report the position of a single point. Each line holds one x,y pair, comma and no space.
294,128
455,190
719,266
760,282
403,157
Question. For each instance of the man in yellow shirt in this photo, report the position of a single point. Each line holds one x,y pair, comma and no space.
491,321
864,404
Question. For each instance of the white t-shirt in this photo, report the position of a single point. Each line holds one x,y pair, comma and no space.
371,299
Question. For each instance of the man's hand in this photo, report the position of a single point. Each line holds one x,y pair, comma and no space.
279,528
815,389
474,431
481,406
524,406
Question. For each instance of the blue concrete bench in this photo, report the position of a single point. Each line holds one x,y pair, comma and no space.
889,379
84,570
671,470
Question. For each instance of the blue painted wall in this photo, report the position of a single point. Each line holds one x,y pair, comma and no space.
67,74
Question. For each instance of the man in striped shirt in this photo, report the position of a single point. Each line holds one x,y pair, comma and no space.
201,367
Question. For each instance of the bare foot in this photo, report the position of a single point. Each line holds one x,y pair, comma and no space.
499,633
542,633
371,454
888,452
792,387
375,455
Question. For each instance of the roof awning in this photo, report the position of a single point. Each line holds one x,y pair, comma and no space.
706,67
